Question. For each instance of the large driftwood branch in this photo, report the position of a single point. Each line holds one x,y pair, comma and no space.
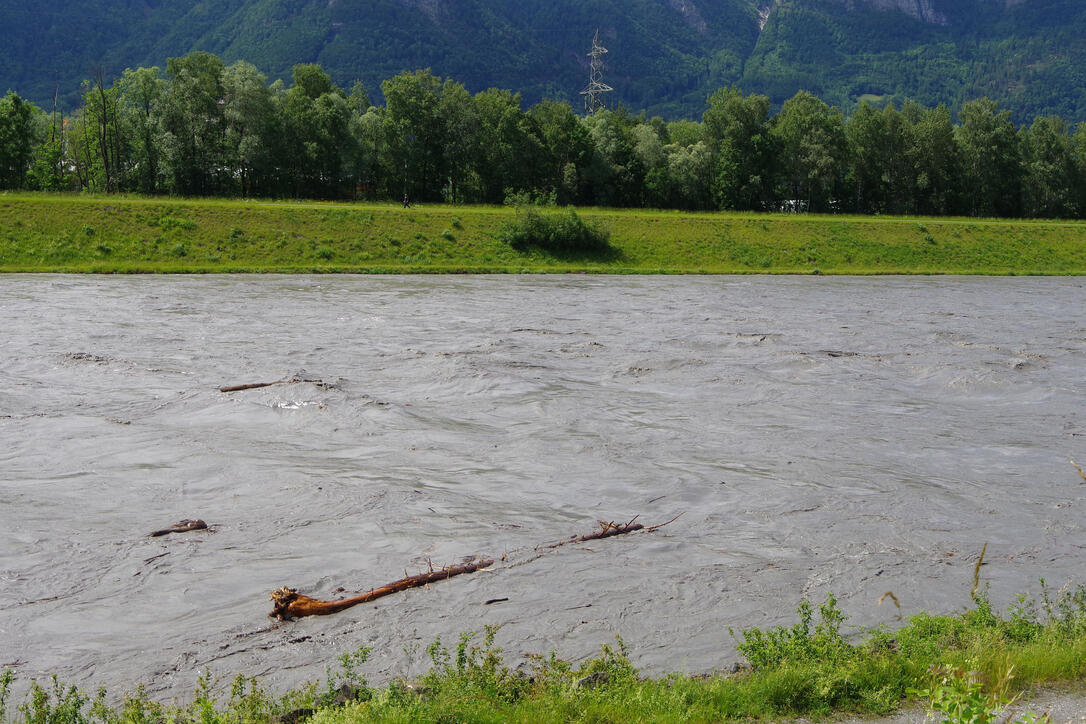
256,385
288,603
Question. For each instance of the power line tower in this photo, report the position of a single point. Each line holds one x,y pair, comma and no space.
596,87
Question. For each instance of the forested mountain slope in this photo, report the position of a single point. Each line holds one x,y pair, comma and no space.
664,53
1029,55
665,56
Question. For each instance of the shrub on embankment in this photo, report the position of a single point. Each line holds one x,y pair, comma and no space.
558,234
66,233
977,659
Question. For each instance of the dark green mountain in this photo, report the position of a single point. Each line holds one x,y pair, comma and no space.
665,55
1029,55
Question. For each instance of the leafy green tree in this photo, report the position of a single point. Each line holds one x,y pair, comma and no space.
92,146
878,168
311,80
364,127
650,145
689,172
140,94
934,162
82,150
48,169
359,98
414,135
813,149
513,153
16,140
333,144
320,151
1051,181
253,129
685,132
461,149
319,145
569,148
1078,148
193,124
867,144
366,130
101,106
615,175
991,165
738,129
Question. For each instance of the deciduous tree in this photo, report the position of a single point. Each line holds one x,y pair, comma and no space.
989,148
813,149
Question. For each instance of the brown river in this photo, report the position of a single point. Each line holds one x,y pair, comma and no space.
818,434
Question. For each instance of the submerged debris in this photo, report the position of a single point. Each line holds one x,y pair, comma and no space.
182,526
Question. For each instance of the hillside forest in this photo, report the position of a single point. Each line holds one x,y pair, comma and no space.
665,56
204,128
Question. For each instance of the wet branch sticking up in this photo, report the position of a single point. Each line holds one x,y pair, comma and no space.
288,603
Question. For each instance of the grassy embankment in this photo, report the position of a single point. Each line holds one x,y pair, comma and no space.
68,233
974,660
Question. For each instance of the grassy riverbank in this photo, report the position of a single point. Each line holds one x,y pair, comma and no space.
68,233
977,659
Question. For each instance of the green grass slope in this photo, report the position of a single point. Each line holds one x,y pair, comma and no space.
51,233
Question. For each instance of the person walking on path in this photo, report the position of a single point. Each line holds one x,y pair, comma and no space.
406,203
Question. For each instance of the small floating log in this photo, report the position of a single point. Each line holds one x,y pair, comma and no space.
257,385
182,526
288,603
608,529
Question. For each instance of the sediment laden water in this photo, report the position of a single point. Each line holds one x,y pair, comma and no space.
853,435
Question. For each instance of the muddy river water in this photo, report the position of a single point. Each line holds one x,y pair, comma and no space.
845,435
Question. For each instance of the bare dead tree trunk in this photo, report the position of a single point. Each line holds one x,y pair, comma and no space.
103,128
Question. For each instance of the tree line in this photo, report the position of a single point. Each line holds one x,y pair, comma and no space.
204,128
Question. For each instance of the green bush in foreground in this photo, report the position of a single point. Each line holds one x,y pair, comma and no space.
560,234
961,667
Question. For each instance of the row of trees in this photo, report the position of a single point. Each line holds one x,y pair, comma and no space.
208,129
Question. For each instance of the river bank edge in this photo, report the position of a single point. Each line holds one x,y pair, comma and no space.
1030,660
130,234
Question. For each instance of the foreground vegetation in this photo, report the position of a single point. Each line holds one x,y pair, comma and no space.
108,234
974,664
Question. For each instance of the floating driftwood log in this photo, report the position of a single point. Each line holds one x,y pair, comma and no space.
256,385
610,528
182,526
606,530
288,603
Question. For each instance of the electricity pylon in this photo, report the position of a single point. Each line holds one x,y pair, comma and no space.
596,87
